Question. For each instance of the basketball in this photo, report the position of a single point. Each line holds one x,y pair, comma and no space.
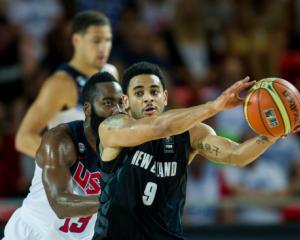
272,107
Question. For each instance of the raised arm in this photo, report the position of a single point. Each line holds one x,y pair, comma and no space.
51,99
55,156
124,131
222,150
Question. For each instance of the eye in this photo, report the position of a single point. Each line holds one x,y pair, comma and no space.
108,39
96,40
108,103
154,92
138,94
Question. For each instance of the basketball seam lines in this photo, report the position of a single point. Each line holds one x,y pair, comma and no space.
291,92
280,113
281,109
260,113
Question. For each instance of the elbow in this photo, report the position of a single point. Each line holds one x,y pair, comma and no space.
238,160
57,208
60,214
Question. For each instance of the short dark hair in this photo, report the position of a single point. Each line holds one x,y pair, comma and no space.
142,68
83,20
90,91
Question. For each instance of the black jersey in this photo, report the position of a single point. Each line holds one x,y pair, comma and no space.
86,170
143,191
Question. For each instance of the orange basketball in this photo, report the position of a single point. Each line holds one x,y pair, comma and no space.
272,107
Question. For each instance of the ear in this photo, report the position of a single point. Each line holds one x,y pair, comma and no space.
75,39
87,108
166,97
125,101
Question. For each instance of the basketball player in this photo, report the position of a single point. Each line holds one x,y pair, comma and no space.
59,98
144,159
63,202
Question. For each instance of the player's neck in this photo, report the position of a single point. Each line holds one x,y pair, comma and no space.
83,67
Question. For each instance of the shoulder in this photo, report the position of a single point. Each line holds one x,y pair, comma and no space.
56,143
112,70
58,136
61,78
116,121
56,85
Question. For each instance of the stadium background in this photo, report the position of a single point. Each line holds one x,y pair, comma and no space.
203,46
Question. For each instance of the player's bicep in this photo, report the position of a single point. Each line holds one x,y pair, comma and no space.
216,148
212,147
55,157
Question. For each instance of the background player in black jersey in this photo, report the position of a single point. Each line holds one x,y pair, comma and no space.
58,100
63,199
144,157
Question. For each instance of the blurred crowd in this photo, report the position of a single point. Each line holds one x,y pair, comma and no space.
203,46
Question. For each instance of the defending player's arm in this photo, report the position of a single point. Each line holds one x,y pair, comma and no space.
124,131
51,99
55,156
205,142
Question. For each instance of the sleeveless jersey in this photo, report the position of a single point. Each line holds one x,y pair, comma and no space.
75,113
86,180
143,191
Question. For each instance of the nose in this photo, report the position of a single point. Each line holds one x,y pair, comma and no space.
103,46
147,97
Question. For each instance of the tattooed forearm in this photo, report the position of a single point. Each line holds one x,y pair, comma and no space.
213,149
262,140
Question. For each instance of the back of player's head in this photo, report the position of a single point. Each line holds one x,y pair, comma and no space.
139,69
83,20
90,89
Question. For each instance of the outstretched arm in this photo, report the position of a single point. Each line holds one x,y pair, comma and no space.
222,150
55,156
124,131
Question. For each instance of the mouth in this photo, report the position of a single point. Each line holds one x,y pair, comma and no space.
150,110
101,59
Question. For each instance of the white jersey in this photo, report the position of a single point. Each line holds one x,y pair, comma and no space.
86,180
36,210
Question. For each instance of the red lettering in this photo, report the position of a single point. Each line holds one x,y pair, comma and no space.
82,182
90,182
94,184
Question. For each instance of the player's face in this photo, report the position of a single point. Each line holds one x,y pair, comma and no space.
110,101
94,45
146,96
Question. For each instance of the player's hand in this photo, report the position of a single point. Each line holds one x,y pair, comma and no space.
231,96
295,130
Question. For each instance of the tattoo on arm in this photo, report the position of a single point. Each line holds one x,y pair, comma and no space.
115,121
262,140
213,149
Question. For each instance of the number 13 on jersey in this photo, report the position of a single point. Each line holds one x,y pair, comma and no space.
149,193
